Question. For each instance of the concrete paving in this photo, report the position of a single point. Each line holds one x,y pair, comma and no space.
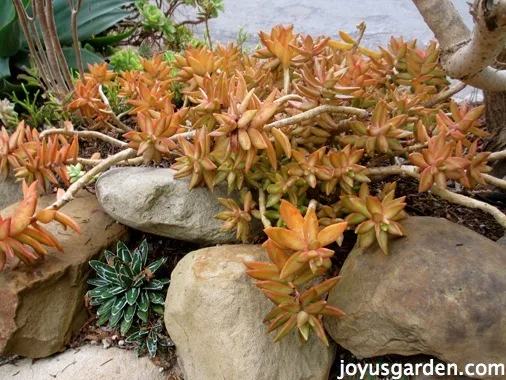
383,17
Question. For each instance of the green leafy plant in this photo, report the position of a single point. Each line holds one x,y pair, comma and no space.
125,60
147,339
94,18
8,116
126,290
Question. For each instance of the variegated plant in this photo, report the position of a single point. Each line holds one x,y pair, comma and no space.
126,289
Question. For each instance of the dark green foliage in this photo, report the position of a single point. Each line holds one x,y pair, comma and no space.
128,294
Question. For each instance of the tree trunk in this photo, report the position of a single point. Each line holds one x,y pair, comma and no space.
495,112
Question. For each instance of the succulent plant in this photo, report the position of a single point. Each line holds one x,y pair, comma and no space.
22,230
298,256
126,289
438,164
8,116
125,60
147,339
376,217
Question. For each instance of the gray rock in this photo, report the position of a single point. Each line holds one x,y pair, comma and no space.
86,362
151,200
440,291
502,241
214,313
10,192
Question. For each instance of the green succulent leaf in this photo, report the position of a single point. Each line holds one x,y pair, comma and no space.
119,305
125,326
156,298
143,315
143,249
126,271
103,318
93,18
154,284
138,282
97,292
112,291
123,252
97,301
137,262
5,71
151,343
132,295
109,256
115,318
143,302
155,265
134,337
105,271
130,312
111,39
106,307
158,309
87,56
10,31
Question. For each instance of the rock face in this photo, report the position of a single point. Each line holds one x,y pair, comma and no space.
214,313
42,306
151,200
86,362
10,192
440,291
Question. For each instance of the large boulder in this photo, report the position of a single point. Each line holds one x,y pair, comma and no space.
42,306
86,362
153,201
440,291
214,313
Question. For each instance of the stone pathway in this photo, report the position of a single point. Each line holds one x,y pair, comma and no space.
86,362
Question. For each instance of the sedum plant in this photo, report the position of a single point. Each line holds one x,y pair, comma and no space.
298,256
127,291
22,237
302,126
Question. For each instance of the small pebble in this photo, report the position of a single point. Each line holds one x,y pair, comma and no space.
121,342
105,343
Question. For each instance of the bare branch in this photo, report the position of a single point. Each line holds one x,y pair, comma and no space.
471,203
110,112
85,179
85,134
75,40
497,182
261,204
315,112
496,156
130,162
442,96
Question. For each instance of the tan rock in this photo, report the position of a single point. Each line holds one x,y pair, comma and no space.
42,306
441,291
214,313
